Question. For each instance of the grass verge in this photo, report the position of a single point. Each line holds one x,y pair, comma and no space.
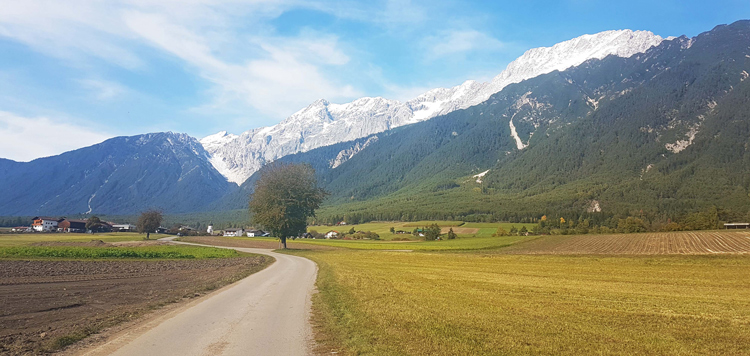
144,252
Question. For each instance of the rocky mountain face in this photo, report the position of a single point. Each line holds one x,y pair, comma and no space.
123,175
323,123
664,132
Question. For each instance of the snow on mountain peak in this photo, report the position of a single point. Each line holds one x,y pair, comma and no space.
323,123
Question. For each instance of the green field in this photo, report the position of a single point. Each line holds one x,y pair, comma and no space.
30,238
442,245
415,303
140,252
382,228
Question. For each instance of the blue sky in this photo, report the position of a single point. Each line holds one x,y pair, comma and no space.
73,73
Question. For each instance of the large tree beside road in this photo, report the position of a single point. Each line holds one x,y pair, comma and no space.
284,197
148,222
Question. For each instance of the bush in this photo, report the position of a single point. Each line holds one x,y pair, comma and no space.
432,232
500,232
631,225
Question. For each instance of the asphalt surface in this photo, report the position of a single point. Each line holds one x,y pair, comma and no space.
266,313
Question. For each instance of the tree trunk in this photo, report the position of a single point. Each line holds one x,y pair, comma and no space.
283,242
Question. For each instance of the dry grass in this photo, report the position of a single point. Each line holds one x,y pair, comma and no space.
386,303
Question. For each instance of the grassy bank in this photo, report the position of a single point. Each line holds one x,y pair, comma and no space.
141,252
442,245
30,238
375,302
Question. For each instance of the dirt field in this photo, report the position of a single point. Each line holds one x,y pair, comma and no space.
47,304
659,243
232,242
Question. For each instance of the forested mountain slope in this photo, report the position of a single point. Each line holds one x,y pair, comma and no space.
122,175
663,133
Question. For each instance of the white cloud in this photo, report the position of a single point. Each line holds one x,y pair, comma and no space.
25,138
283,75
275,75
103,89
460,41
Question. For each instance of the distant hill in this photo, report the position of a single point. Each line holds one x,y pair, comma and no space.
122,175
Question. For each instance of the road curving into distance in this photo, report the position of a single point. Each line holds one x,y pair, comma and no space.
267,313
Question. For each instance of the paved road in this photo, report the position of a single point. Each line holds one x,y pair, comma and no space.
266,313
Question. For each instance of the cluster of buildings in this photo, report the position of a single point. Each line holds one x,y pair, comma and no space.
55,224
242,232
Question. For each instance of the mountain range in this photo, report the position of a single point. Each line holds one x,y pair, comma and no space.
323,123
619,122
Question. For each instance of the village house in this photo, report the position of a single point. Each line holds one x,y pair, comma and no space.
256,233
234,232
45,223
71,225
124,227
332,234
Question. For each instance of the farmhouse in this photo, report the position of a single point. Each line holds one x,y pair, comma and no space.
44,223
256,233
332,234
70,225
123,227
737,226
233,232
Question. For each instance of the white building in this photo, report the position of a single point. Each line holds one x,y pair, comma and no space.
234,232
123,227
44,224
332,234
210,229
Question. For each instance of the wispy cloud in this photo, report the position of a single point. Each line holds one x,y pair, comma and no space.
103,89
27,138
455,42
275,75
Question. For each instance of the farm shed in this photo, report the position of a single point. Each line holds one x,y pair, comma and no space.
737,226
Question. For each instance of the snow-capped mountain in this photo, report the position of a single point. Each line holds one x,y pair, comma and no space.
323,123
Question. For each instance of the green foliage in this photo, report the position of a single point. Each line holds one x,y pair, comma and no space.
500,232
285,196
432,232
149,221
146,252
94,224
452,235
631,225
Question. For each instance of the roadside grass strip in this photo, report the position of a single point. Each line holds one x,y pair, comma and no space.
29,238
442,245
375,302
145,252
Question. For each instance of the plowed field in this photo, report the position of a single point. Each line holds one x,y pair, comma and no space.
48,304
659,243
